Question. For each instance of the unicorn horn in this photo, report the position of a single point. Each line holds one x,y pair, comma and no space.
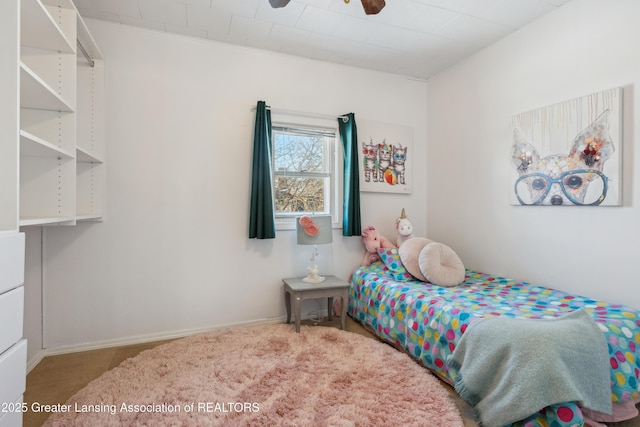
402,215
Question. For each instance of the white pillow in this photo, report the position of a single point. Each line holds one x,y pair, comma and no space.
440,265
409,252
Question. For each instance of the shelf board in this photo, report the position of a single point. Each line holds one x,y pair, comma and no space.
86,40
37,94
89,217
59,220
65,4
83,155
31,145
39,30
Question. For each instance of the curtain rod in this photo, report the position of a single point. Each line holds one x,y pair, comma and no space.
303,113
85,54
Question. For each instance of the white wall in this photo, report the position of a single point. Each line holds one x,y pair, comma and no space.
583,47
173,254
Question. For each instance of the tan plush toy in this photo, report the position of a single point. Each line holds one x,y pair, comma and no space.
372,241
403,228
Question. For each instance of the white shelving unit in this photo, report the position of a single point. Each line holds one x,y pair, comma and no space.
62,171
9,113
13,349
52,169
90,167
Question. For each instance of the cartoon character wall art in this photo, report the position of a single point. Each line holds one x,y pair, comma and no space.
384,152
582,170
370,164
399,159
384,159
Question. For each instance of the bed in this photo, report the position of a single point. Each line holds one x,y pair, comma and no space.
428,322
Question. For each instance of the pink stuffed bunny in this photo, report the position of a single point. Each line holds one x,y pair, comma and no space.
372,241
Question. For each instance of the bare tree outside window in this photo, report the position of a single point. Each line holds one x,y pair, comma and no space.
302,170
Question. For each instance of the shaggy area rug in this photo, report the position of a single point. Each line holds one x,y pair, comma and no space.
264,375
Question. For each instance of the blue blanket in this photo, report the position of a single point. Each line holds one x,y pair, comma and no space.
564,359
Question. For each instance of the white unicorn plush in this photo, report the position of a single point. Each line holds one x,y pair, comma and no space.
403,228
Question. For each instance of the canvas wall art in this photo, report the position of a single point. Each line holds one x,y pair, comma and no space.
569,154
385,155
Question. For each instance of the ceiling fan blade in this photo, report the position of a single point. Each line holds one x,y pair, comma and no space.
278,3
373,7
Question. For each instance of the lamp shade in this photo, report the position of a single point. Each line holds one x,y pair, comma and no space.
314,230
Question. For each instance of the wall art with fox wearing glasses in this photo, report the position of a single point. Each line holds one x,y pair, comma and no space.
569,154
385,157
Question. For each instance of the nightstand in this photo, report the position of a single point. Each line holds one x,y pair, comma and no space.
331,287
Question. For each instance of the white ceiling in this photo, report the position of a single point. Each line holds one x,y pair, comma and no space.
415,38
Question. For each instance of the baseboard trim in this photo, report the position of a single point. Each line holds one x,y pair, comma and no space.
140,339
35,360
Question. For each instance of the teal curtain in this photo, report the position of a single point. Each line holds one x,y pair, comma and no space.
262,222
351,225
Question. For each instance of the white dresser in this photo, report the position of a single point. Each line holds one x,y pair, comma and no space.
13,348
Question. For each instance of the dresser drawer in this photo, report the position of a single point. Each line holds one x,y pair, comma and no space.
11,261
13,372
12,418
11,317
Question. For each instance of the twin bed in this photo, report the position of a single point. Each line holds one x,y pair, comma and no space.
596,342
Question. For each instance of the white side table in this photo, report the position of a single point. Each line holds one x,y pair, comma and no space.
331,287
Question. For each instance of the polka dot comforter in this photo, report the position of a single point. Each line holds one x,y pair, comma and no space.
427,321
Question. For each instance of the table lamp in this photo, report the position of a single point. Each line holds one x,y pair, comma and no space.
314,230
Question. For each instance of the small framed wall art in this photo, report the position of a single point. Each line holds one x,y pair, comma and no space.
385,154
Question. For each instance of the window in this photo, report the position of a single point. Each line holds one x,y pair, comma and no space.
304,164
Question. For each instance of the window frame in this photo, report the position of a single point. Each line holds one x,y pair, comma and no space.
286,221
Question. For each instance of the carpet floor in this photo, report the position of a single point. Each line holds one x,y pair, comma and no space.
323,377
56,378
264,375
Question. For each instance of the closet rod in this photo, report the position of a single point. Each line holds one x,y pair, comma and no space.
303,113
85,54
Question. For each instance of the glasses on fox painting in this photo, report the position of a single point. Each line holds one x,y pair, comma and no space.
582,187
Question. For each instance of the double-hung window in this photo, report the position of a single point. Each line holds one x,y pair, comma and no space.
304,165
